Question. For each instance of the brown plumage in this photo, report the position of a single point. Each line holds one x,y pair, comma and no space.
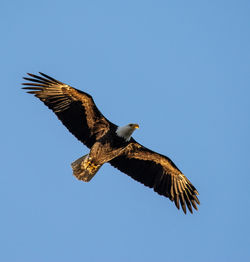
110,143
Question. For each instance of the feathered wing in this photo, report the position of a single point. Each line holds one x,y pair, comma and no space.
76,109
158,172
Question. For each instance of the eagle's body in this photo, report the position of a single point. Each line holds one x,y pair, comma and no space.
110,143
108,147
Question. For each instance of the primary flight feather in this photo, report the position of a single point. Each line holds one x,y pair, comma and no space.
109,143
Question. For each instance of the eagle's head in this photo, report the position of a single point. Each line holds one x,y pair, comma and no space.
126,131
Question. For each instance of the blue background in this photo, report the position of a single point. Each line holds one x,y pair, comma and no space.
178,68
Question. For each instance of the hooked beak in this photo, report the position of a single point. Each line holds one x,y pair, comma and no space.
136,126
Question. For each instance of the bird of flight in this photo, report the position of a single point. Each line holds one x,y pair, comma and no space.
110,143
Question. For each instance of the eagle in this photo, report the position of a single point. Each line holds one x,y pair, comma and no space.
109,143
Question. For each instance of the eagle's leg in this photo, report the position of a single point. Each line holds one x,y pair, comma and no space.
84,169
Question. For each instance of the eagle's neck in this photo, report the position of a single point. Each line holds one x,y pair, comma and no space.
124,132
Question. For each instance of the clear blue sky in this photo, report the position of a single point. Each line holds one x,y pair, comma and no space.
181,69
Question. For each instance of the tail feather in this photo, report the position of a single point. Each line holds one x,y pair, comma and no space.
83,169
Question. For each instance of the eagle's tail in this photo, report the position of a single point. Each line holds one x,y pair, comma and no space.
84,169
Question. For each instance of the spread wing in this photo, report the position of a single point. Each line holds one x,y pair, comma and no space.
158,172
76,109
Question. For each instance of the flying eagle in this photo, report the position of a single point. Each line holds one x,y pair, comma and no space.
110,143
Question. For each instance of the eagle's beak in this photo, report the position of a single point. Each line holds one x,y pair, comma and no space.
136,126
